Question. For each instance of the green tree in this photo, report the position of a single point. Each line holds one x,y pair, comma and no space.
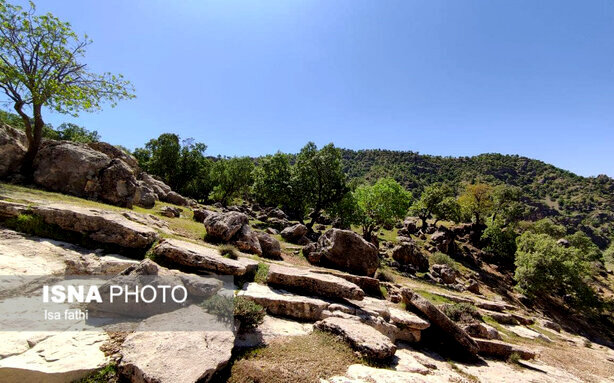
500,240
317,181
587,249
73,132
161,157
544,267
272,180
232,177
431,203
477,202
40,66
546,226
507,204
383,203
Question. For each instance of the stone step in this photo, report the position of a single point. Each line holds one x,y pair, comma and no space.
499,349
369,285
203,258
311,283
284,303
361,337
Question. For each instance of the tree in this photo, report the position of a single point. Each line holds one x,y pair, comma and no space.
161,157
318,181
231,177
272,180
477,202
40,66
73,132
383,203
544,267
507,204
430,204
500,240
546,226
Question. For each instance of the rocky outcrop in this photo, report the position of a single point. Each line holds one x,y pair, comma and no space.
157,353
13,147
313,283
170,211
502,350
361,337
202,258
441,321
407,253
347,251
294,233
199,214
247,240
481,330
223,226
271,248
367,284
65,357
444,274
283,303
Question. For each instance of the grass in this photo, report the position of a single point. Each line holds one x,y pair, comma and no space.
384,276
443,259
229,251
261,273
107,374
433,298
462,372
461,312
300,359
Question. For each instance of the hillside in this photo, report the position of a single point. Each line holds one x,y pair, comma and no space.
584,203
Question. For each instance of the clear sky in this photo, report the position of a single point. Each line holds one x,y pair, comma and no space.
455,77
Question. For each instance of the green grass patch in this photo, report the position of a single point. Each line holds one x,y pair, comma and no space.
107,374
229,251
432,297
261,273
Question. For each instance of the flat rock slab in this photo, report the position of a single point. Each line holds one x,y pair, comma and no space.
358,373
313,283
272,328
440,320
369,285
283,303
524,332
202,258
61,358
153,356
405,319
503,350
103,226
361,337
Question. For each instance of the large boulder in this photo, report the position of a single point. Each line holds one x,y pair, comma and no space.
407,253
160,188
200,214
176,198
444,241
294,233
13,147
313,283
347,251
270,246
247,240
223,226
361,337
284,303
115,152
499,349
157,353
144,195
441,321
202,258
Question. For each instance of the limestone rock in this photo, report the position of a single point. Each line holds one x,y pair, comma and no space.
270,246
283,303
294,233
223,226
347,251
202,258
92,264
405,319
503,350
407,253
270,329
313,283
13,147
361,337
247,240
481,330
440,320
155,356
199,215
170,211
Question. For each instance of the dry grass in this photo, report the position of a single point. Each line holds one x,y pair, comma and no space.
301,359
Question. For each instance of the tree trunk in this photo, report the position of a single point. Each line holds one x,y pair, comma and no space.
313,218
34,135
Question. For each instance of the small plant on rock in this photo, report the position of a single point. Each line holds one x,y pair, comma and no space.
248,313
384,276
229,251
461,312
442,259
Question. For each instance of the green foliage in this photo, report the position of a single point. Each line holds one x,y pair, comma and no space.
437,201
546,226
608,255
346,211
222,306
500,240
318,181
461,312
228,251
587,249
384,276
514,358
383,203
180,164
248,313
232,178
439,258
73,132
107,374
543,266
41,66
261,273
272,180
477,202
507,205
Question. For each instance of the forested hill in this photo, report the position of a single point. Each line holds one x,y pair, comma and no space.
583,202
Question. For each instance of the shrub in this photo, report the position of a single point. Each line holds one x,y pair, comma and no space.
514,358
248,313
461,312
221,306
384,276
229,251
261,273
500,241
442,259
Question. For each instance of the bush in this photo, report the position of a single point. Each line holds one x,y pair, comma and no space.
461,312
384,276
543,266
500,241
261,273
229,251
221,306
442,259
248,313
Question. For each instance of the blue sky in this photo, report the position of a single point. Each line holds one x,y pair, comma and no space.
456,77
